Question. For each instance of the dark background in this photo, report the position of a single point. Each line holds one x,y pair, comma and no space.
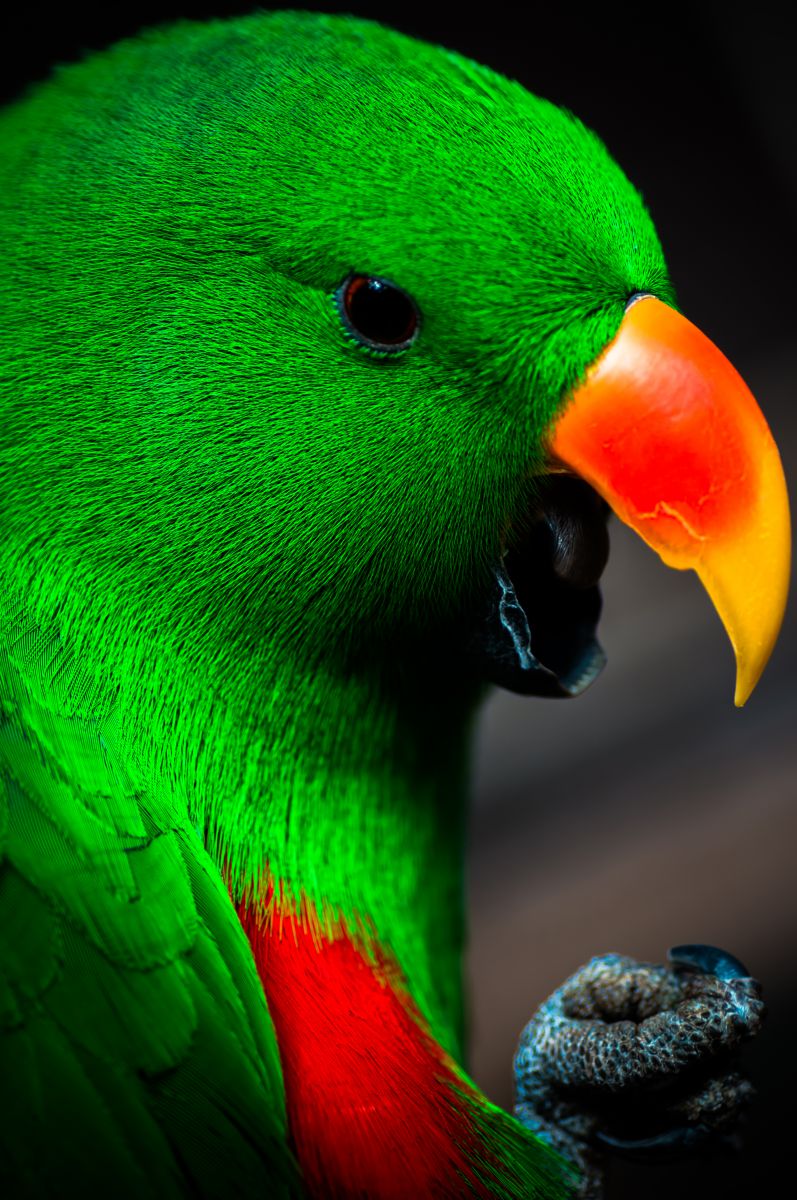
649,811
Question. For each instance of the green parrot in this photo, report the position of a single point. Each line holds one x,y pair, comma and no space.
325,355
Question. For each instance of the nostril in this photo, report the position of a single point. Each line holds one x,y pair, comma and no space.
635,296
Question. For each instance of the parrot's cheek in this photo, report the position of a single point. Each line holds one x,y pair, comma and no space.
534,632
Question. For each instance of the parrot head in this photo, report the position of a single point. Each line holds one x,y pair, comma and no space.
373,339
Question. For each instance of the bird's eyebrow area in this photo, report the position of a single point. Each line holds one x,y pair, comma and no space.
306,283
259,247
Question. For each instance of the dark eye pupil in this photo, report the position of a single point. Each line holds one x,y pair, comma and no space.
380,313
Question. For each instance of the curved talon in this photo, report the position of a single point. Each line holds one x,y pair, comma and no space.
709,959
669,1141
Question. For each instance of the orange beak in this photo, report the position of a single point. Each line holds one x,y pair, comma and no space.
669,434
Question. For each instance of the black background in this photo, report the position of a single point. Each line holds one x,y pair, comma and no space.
650,812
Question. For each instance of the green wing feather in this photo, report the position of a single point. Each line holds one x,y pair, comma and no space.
138,1053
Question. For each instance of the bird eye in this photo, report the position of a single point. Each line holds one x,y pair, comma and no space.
377,313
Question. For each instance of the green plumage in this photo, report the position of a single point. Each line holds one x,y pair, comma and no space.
129,1004
234,542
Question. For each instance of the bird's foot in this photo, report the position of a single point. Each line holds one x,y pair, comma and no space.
638,1059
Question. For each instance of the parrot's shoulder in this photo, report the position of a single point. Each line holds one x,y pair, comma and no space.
133,1028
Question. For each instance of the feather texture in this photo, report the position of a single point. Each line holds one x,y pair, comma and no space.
253,538
135,1031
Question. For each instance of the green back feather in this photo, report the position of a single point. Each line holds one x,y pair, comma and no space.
138,1054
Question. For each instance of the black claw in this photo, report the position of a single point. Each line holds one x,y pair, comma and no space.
669,1143
709,959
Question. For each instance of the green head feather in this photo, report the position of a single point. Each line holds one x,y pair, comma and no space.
183,207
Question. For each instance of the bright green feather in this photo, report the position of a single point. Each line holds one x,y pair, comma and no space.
133,1032
251,534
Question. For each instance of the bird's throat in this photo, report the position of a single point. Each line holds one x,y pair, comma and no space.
358,817
357,934
375,1106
